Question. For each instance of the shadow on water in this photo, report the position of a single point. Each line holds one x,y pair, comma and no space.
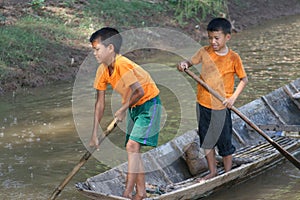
39,144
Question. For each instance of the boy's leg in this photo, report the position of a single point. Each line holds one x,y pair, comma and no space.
207,140
143,131
140,183
225,146
133,152
227,161
211,162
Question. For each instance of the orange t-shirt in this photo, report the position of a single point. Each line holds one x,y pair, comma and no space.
126,73
217,72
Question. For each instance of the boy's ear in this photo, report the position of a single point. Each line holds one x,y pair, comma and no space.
228,37
111,47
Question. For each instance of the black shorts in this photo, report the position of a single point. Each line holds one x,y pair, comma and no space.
215,129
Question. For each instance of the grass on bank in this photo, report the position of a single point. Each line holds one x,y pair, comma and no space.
36,40
31,44
134,13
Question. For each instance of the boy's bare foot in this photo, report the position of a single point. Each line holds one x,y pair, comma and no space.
208,176
127,195
139,197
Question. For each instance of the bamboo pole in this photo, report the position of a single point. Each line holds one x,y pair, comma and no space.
83,160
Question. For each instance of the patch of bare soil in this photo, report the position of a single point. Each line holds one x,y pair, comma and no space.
242,14
59,66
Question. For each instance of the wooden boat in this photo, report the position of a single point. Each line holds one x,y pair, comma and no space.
276,113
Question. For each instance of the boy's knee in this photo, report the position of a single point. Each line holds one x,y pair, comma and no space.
132,146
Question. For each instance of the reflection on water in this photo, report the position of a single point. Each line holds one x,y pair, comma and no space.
270,53
39,144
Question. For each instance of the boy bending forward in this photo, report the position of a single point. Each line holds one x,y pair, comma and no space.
140,98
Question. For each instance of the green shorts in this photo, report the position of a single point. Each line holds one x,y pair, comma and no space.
143,122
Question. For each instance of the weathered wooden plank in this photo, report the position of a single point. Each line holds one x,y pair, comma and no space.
296,95
273,110
238,137
280,127
291,95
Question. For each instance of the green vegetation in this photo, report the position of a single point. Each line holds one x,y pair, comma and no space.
36,4
125,13
39,42
30,45
198,9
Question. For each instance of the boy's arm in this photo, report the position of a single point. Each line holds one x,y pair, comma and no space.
98,114
230,101
194,60
136,95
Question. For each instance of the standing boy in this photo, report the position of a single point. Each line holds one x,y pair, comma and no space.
140,98
219,65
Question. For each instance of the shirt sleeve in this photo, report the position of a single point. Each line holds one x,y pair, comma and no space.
127,74
197,57
100,82
239,68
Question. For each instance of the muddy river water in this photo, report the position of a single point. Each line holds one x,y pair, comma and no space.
39,143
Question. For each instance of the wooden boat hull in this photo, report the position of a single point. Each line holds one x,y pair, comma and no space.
198,190
191,189
172,177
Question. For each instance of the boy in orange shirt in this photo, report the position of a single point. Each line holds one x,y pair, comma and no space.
140,98
219,65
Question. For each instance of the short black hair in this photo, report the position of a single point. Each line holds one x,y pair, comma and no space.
108,36
219,24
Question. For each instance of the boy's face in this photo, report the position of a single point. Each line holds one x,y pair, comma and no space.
102,53
217,40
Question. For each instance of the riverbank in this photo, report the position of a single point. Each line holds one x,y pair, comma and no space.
58,33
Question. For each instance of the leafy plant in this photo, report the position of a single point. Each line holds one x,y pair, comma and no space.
2,19
36,4
198,9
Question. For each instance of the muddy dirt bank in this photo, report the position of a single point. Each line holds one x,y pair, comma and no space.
243,14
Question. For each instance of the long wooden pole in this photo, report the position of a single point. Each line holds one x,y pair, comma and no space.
285,153
83,160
